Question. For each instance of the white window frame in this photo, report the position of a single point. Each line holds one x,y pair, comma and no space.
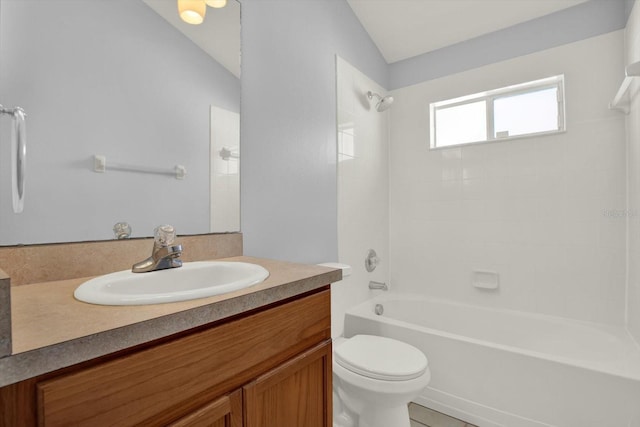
489,97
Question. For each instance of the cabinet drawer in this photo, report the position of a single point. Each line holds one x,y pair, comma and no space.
163,383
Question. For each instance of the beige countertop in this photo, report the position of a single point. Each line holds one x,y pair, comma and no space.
52,330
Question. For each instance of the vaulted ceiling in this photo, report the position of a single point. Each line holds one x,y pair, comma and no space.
405,28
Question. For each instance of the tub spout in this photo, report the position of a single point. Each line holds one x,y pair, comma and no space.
378,285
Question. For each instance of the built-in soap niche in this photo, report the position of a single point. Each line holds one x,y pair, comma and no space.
486,280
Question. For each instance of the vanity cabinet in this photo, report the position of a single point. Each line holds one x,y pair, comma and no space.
267,368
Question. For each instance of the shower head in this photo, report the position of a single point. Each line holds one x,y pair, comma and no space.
383,104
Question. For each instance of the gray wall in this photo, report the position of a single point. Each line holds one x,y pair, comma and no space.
106,77
288,129
585,20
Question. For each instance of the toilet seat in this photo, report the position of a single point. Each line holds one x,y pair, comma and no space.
381,358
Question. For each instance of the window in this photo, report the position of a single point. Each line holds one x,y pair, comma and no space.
533,108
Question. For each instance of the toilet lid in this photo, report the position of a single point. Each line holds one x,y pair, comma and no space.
381,358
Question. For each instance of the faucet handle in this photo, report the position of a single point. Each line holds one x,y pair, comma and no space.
122,230
164,235
371,261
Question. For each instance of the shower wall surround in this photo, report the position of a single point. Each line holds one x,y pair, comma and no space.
363,189
632,47
543,212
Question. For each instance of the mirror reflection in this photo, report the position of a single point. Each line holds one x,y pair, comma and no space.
132,117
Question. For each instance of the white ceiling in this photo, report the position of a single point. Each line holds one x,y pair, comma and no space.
405,28
218,35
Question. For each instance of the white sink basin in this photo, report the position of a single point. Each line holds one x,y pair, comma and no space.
192,280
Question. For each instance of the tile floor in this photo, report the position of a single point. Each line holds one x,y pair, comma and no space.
425,417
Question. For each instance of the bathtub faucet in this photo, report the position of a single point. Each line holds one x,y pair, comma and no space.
378,285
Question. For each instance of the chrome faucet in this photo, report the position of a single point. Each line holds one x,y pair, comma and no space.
165,254
378,285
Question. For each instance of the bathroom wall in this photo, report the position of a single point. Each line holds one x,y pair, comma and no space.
118,48
288,129
543,212
587,19
632,54
363,189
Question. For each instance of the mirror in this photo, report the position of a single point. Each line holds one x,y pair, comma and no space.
119,95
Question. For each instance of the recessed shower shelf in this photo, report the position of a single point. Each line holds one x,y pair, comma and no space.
632,70
100,165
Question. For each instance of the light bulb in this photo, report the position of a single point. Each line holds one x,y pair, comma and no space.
216,3
192,11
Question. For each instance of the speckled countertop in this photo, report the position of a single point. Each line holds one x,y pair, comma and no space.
52,330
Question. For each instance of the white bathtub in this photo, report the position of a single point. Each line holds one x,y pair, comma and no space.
505,368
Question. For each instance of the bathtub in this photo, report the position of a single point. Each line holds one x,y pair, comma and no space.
494,367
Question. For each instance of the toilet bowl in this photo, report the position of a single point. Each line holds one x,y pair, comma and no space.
374,379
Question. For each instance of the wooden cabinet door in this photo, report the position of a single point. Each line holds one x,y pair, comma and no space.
223,412
295,394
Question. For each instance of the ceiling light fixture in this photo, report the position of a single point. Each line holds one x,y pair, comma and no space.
216,3
192,11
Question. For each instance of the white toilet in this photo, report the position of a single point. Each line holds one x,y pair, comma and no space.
374,379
